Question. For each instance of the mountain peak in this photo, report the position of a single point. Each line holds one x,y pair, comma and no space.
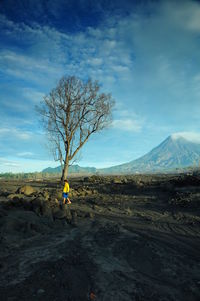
180,150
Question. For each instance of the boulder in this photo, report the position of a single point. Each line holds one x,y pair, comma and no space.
27,190
37,205
46,195
73,192
68,214
56,201
4,192
59,214
15,196
117,181
53,202
40,291
58,195
128,211
64,213
90,215
18,201
46,210
24,203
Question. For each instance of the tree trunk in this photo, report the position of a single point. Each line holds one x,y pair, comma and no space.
66,163
64,172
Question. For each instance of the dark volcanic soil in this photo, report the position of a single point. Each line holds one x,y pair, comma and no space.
122,238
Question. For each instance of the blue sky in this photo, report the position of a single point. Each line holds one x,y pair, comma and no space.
146,53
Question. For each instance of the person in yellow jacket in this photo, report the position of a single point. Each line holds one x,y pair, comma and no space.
65,194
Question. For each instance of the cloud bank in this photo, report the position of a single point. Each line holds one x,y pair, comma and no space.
190,136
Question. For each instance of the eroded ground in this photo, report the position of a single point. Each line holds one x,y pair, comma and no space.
122,238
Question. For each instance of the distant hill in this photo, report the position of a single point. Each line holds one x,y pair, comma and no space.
174,152
72,169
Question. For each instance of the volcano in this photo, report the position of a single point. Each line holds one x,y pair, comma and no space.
174,152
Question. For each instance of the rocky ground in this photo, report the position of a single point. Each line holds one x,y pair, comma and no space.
122,238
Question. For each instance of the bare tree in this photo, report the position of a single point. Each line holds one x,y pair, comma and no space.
71,113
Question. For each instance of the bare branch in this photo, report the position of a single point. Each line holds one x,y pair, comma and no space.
71,113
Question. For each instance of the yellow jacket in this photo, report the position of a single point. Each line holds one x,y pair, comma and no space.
66,187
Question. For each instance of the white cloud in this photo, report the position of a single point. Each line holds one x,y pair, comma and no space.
127,125
135,44
15,133
32,95
185,15
120,68
127,120
24,66
79,53
95,61
11,164
190,136
25,154
7,165
4,131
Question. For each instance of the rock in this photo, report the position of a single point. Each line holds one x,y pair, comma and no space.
46,195
40,291
68,215
117,181
139,184
128,211
90,215
59,214
27,190
15,196
125,181
46,210
74,193
56,201
4,192
97,208
37,205
18,201
65,212
58,195
25,203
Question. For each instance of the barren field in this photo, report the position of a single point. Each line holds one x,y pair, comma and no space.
122,238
